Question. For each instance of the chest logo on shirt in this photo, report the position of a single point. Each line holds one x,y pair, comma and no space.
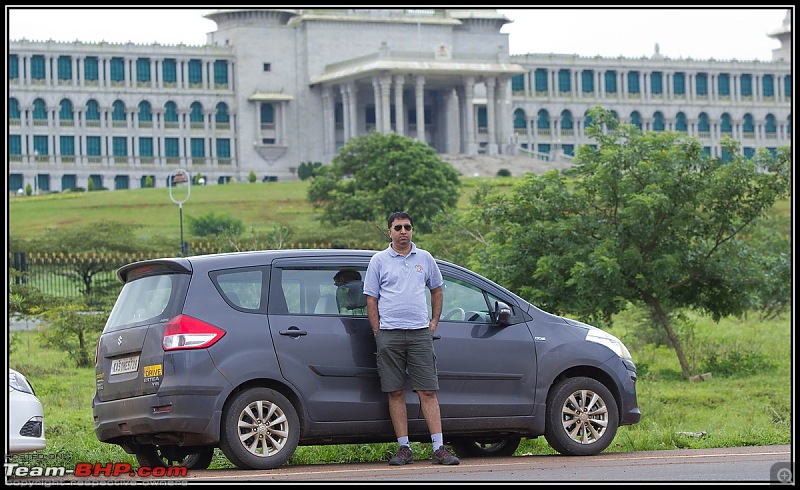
418,268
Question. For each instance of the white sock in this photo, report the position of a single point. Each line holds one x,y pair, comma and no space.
403,441
437,441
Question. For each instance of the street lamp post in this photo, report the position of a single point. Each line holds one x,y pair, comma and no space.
180,176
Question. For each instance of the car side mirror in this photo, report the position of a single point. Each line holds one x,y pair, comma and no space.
502,313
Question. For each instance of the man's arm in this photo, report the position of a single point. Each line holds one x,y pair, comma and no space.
372,313
436,307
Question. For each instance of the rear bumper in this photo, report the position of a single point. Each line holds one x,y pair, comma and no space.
156,419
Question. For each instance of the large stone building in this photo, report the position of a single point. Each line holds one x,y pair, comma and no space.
273,88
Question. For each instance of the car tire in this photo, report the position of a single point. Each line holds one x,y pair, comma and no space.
165,456
260,429
581,417
481,448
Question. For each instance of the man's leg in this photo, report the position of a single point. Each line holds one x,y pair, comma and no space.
430,410
398,412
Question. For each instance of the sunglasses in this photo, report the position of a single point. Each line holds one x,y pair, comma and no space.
400,227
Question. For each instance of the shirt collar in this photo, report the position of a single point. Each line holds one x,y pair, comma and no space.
395,253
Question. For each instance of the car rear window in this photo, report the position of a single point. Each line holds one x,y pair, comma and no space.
149,299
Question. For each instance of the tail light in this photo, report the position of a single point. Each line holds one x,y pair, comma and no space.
185,332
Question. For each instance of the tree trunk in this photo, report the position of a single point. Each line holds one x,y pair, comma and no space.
663,318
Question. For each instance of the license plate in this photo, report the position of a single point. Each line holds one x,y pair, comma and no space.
124,365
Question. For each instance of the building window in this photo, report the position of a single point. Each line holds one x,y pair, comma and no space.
65,67
146,147
118,112
564,84
39,110
196,116
221,72
92,111
37,67
518,83
171,147
65,113
636,119
787,85
541,80
658,122
679,81
121,182
656,83
223,148
67,145
222,113
611,82
93,146
587,81
267,67
747,85
13,109
267,114
633,82
15,144
519,119
117,69
768,82
170,70
90,68
724,84
13,67
40,146
195,71
143,69
120,146
701,80
198,147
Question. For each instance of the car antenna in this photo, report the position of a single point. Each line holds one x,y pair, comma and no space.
383,233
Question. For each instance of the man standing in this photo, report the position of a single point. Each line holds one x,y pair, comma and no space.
395,285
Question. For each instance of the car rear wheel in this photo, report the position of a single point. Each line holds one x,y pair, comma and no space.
476,448
193,458
581,417
260,429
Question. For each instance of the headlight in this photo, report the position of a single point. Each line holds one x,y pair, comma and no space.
604,338
18,382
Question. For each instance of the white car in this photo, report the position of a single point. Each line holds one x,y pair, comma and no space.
25,416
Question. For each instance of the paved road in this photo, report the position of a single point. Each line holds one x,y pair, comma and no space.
745,464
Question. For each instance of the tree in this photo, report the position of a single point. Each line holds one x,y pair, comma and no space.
213,224
376,174
148,181
646,218
74,327
96,243
251,177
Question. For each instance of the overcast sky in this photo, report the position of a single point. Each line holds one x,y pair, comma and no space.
721,34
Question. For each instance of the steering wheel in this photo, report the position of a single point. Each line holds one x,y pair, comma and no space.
456,314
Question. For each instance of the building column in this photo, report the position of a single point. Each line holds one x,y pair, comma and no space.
345,112
352,89
491,145
386,110
419,93
469,115
399,110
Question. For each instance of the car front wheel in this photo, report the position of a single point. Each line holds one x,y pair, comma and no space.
581,417
260,429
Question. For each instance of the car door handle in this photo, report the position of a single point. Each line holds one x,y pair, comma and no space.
293,332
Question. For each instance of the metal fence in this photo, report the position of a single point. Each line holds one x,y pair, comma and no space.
58,274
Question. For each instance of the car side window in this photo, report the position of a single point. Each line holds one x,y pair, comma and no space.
323,291
240,288
463,302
